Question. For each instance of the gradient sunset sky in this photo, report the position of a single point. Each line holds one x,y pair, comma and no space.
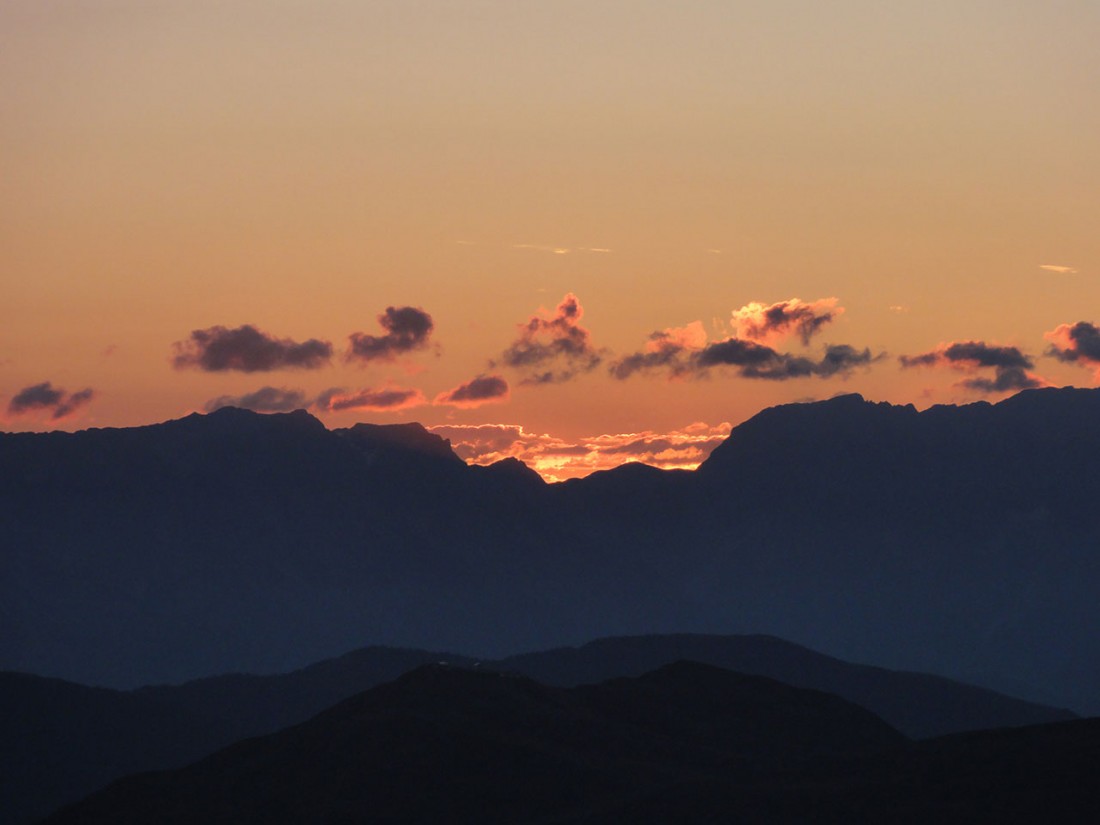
609,229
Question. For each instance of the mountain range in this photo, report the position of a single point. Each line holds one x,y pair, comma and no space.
60,741
958,540
685,743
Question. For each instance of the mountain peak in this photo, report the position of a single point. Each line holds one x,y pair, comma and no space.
410,438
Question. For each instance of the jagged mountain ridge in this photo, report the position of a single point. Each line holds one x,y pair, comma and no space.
957,540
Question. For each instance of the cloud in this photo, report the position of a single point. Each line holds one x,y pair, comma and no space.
557,250
45,397
666,349
484,389
1075,343
777,321
407,329
671,357
1061,270
684,350
691,336
557,459
972,354
561,250
841,359
265,399
1005,379
389,398
749,356
217,349
553,348
1010,365
758,361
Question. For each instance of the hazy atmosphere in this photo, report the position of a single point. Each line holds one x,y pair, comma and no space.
610,230
504,411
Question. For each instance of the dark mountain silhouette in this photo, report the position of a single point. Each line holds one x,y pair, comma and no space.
919,705
958,540
685,743
1044,773
61,741
455,745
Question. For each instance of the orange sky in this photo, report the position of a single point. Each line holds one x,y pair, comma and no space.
928,171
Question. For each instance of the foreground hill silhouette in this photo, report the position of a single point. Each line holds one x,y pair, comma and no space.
685,743
60,741
444,744
957,540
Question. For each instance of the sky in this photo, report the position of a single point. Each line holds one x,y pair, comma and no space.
577,233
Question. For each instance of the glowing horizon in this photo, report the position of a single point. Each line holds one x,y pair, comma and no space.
621,218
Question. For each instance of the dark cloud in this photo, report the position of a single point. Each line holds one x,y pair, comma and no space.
553,349
738,352
247,349
760,322
390,398
407,329
265,399
758,361
983,355
46,397
484,389
751,359
840,359
670,357
1004,379
667,349
970,354
926,359
1009,364
1075,342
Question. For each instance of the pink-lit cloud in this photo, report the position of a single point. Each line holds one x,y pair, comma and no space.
552,348
1076,344
557,459
690,336
685,351
388,398
669,349
775,322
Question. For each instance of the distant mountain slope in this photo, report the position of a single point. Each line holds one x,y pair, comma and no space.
958,540
444,744
686,743
60,741
919,705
